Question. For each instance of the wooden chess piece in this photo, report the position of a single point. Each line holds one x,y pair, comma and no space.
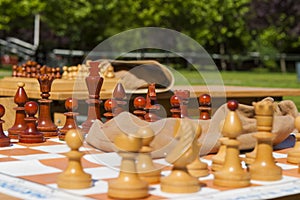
184,153
71,105
128,185
151,107
145,167
219,159
65,74
183,97
45,123
198,168
119,96
232,174
94,83
294,153
57,73
109,106
175,107
14,70
139,104
74,177
4,140
109,73
20,99
205,107
31,133
264,167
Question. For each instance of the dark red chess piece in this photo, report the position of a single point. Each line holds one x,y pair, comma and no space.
109,106
45,123
139,104
183,97
119,96
20,99
31,133
4,140
94,83
151,107
175,107
71,105
205,106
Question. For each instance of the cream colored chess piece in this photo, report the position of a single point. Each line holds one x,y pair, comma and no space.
65,74
128,185
264,167
146,169
294,153
198,168
232,174
109,73
74,177
219,159
184,153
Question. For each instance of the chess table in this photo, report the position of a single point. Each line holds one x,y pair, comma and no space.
29,171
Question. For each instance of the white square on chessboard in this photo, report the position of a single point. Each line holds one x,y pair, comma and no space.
107,159
41,156
103,172
13,146
155,190
98,187
26,167
59,148
279,155
283,180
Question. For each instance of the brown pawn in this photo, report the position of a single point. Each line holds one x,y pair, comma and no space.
232,174
175,107
109,106
145,167
31,134
139,104
94,83
20,99
205,106
264,167
74,176
71,105
294,153
45,123
151,107
4,140
128,184
119,97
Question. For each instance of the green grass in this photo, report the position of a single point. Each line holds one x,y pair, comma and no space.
253,79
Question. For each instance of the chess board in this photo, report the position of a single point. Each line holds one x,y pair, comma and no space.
29,171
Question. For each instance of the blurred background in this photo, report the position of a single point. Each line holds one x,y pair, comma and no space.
240,35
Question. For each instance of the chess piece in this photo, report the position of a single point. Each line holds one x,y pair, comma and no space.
184,153
175,107
14,70
109,106
294,153
250,156
139,104
94,83
74,176
45,123
119,96
57,73
71,105
264,168
205,106
128,185
109,73
219,159
183,97
151,107
4,140
20,99
146,169
31,133
198,168
65,74
232,174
